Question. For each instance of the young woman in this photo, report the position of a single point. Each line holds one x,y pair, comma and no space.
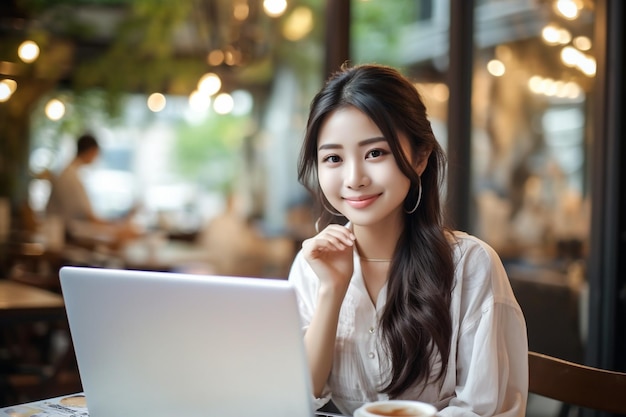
394,304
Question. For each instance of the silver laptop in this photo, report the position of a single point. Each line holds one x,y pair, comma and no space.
153,344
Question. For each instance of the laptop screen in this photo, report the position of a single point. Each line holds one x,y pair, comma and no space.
161,344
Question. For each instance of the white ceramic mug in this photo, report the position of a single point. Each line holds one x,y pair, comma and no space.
396,408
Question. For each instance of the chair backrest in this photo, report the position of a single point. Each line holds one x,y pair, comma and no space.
576,384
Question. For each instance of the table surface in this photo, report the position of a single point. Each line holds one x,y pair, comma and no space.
26,302
70,405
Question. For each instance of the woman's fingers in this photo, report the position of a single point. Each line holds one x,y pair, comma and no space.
337,233
334,237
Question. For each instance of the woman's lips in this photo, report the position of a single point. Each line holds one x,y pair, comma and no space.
361,202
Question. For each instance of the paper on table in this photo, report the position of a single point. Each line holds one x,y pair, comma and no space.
64,406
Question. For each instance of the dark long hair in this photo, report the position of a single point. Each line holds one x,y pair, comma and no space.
416,324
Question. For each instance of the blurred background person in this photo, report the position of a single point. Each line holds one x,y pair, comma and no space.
69,202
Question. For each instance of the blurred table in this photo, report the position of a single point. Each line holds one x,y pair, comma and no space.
21,302
158,253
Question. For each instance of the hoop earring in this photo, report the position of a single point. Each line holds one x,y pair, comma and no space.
330,211
419,196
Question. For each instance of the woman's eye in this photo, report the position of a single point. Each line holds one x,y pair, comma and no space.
333,159
376,153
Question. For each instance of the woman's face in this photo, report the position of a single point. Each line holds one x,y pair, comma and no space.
357,171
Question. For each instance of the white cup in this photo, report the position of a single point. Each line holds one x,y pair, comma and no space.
396,408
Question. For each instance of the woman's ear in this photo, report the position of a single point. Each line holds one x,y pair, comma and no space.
421,161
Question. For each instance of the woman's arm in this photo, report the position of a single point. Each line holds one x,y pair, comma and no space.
330,256
319,339
491,355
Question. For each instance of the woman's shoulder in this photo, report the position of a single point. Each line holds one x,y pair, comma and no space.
469,247
478,267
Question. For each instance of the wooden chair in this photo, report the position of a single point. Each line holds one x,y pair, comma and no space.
575,384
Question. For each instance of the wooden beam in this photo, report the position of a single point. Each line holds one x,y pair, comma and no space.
459,113
337,41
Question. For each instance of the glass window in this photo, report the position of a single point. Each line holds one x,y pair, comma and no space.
413,37
534,72
533,85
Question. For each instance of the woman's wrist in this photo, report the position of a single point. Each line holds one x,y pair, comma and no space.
332,292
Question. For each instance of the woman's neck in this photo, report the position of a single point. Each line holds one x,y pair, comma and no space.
377,242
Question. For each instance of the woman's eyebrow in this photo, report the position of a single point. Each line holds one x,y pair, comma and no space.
364,142
330,146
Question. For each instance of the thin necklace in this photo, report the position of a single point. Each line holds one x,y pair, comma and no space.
363,258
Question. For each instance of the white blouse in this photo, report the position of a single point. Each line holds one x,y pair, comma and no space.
487,372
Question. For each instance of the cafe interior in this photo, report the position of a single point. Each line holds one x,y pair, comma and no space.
199,108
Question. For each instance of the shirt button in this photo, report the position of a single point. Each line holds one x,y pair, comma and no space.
371,330
371,355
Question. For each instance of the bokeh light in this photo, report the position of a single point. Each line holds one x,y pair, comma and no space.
210,83
7,88
223,103
199,102
28,51
298,24
156,102
496,68
55,109
274,8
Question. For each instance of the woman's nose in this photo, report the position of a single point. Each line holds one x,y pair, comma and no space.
355,176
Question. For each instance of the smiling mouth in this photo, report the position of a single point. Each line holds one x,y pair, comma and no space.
361,202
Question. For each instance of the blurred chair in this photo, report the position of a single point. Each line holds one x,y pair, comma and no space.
37,358
576,384
30,263
551,308
22,383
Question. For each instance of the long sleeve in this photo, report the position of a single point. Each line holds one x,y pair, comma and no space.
306,286
491,357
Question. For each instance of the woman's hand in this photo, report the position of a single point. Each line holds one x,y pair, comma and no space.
329,254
